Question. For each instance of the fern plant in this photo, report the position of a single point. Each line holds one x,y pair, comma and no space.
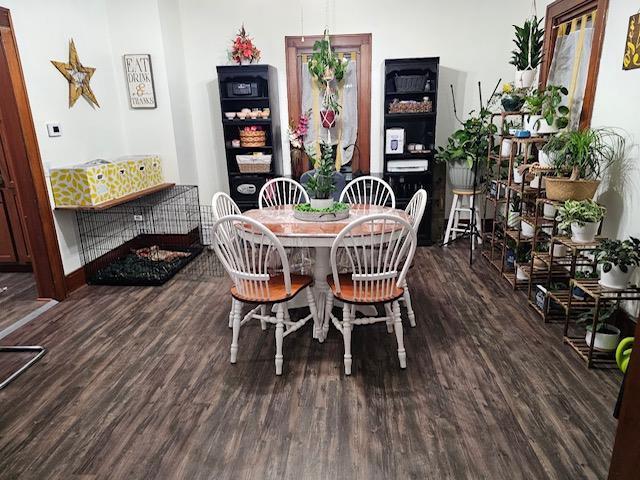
528,52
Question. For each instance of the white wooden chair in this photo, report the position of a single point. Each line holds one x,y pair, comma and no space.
282,191
222,205
380,249
415,210
368,190
244,246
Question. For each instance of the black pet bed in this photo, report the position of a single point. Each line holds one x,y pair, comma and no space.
133,270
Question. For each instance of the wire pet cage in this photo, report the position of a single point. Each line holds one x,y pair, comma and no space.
143,242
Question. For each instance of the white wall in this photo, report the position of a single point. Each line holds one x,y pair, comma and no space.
616,105
103,30
473,40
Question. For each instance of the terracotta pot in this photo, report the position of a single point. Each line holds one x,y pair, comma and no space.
563,189
328,118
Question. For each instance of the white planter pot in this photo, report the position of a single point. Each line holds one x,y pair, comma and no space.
513,220
460,176
526,229
532,123
604,342
545,128
616,278
319,204
520,275
559,250
505,147
549,211
517,176
544,159
535,183
584,233
524,78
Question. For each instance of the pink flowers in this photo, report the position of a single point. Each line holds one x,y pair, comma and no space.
298,132
243,48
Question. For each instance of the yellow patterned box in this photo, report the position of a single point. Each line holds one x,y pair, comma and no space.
121,179
83,185
137,171
154,171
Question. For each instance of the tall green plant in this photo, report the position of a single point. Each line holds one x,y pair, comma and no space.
321,184
471,142
528,39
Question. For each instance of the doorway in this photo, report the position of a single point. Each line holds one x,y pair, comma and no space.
27,234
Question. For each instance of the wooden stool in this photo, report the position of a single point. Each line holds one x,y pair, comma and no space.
453,225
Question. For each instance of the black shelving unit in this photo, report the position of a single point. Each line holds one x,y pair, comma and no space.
258,89
419,128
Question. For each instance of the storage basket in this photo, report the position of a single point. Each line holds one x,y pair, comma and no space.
410,83
253,138
410,106
254,163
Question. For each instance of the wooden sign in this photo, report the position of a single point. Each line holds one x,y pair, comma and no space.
140,81
632,48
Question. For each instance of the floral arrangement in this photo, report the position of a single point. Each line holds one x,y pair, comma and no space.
243,48
298,131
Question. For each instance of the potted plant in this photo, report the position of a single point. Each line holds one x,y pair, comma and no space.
542,247
511,98
464,146
607,335
528,52
243,51
515,206
327,69
510,254
526,229
580,157
582,218
546,112
518,175
321,185
577,292
548,152
297,132
619,259
523,257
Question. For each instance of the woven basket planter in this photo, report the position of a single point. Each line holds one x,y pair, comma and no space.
562,189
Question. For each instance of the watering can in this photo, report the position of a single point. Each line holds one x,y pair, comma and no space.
623,353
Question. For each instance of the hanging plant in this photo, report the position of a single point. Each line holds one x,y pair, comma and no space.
327,68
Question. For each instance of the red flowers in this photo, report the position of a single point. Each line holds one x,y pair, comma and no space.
243,48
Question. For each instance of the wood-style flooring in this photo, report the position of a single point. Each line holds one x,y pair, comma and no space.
137,384
20,298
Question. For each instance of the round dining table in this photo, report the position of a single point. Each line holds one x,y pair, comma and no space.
293,232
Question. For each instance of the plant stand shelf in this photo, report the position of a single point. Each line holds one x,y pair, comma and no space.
597,296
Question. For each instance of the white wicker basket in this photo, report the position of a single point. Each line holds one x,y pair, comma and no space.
254,163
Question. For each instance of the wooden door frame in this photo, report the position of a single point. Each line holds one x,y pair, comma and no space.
31,185
362,41
562,11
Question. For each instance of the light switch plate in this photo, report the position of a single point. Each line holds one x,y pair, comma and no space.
54,129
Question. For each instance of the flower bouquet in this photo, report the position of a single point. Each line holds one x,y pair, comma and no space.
243,51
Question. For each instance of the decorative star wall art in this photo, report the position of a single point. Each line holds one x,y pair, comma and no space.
78,77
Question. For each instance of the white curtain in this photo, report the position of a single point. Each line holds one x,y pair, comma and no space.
570,62
345,132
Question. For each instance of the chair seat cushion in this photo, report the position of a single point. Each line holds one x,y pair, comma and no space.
276,291
348,292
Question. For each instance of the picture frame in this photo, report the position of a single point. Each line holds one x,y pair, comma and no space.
139,77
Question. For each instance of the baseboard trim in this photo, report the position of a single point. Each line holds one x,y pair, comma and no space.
75,280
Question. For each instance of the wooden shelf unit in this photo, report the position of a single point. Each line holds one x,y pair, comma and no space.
263,82
119,201
419,128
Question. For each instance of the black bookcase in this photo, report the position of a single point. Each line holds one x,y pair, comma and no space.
249,86
412,79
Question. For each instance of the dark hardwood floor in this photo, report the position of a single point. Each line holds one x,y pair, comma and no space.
20,298
137,384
